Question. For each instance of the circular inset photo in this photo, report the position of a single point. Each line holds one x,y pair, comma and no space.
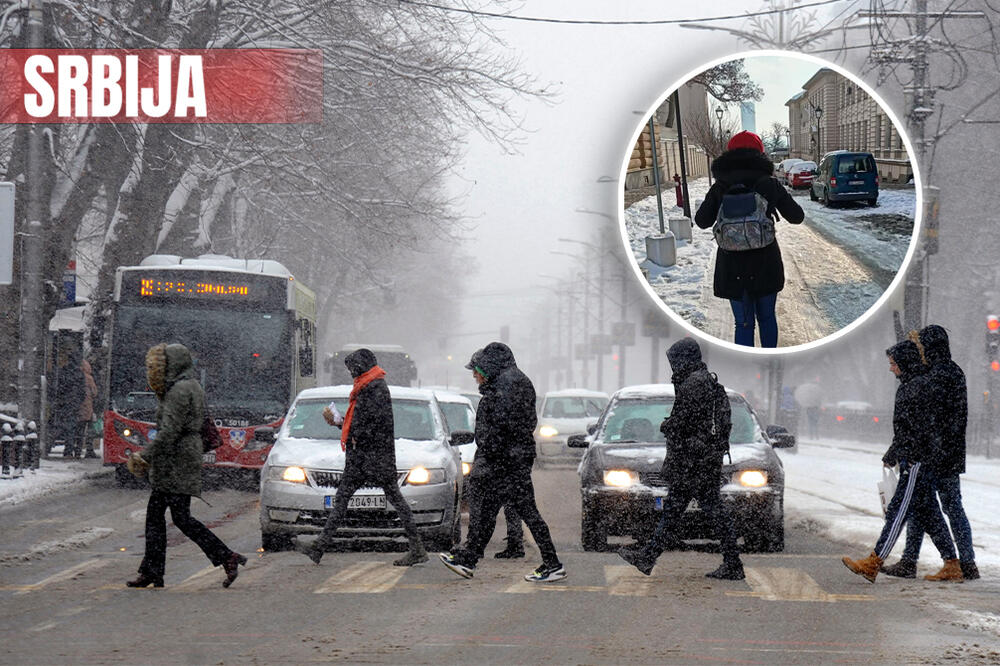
771,201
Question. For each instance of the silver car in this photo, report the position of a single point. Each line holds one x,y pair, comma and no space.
299,478
561,414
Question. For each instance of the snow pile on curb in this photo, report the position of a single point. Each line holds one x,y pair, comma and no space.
48,479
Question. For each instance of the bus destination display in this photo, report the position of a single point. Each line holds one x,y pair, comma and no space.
164,286
154,287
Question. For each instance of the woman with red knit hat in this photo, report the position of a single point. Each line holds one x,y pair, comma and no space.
750,278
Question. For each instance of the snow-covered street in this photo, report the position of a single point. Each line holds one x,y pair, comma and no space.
837,263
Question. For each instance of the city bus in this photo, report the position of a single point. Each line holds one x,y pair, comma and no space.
250,326
400,370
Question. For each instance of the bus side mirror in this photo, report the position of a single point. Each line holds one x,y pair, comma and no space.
306,362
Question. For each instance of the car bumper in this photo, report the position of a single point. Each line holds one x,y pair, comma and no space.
295,508
852,196
633,513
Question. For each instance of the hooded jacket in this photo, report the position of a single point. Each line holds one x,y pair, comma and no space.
175,453
371,447
690,421
951,399
759,272
914,433
505,418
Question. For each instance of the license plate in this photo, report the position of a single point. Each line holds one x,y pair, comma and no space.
855,182
359,502
208,458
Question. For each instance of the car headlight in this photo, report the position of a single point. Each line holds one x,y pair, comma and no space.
466,468
292,474
547,431
751,478
620,478
420,476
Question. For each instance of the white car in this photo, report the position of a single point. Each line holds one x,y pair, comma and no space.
561,414
800,175
299,479
459,415
781,173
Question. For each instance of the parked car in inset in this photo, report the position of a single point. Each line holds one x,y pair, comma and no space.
800,175
561,414
622,486
781,172
846,176
300,476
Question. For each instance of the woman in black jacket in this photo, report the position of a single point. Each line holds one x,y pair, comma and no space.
749,279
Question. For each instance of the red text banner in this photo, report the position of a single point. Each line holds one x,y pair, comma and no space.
161,85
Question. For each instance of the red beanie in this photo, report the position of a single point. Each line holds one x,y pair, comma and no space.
746,140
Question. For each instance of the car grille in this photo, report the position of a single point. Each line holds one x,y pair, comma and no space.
324,478
366,519
656,479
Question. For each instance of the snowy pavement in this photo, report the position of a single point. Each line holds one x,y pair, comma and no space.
837,264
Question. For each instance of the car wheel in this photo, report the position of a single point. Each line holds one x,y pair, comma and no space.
873,202
812,194
826,199
275,543
593,531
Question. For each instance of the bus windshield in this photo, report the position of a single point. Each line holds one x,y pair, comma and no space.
242,360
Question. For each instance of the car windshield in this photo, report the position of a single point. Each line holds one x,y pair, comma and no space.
412,419
573,407
856,164
639,420
458,415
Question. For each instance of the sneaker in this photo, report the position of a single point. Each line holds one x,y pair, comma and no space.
635,557
511,552
728,571
901,569
452,563
546,574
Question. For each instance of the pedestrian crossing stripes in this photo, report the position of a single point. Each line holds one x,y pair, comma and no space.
782,584
65,574
362,578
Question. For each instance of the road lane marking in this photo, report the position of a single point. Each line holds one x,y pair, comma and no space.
786,584
65,574
362,578
197,580
527,587
625,581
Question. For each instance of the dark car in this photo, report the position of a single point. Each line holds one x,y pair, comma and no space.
623,489
845,176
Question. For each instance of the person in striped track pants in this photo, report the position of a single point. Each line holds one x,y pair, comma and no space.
916,449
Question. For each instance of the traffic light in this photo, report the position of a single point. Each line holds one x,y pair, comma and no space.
993,342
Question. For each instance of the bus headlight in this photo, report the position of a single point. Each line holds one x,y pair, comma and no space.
751,478
420,476
547,431
619,478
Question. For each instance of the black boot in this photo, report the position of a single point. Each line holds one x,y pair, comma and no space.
730,570
514,550
969,570
232,567
145,580
902,569
312,551
638,559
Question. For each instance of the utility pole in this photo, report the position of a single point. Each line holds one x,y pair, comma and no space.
31,336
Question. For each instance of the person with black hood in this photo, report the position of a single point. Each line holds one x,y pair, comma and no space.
951,413
693,464
916,449
368,438
505,423
749,279
174,466
480,470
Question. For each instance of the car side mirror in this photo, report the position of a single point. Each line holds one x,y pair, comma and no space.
577,441
780,437
592,428
461,437
264,434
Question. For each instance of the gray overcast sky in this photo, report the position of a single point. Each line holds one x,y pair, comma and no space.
781,78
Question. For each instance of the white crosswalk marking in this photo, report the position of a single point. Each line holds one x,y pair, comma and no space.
362,578
784,584
65,574
198,580
624,580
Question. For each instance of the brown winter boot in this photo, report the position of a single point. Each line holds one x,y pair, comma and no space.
950,572
867,567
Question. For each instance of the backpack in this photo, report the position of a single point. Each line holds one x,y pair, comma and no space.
742,222
722,423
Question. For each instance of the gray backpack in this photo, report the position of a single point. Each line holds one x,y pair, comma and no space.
742,222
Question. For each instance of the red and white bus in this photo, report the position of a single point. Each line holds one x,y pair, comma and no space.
251,329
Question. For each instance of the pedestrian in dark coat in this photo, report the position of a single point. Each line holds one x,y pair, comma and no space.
692,465
174,458
476,488
71,392
916,449
368,438
750,279
505,423
951,414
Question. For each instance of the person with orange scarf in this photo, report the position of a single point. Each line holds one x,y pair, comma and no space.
367,438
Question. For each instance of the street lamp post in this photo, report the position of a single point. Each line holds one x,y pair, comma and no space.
819,146
718,114
788,142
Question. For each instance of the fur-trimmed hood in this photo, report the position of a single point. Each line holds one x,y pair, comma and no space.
166,365
741,164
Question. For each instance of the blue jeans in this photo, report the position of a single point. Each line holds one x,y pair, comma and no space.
746,310
950,493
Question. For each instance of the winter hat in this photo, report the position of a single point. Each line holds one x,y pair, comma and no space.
360,361
746,140
474,361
